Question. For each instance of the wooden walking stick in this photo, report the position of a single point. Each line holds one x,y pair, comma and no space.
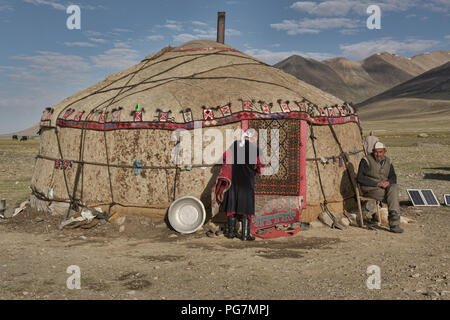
358,199
350,176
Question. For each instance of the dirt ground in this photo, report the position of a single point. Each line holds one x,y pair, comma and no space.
148,261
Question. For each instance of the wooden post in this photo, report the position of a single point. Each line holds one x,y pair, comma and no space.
221,27
358,201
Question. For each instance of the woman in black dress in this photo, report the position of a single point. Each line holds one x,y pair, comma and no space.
240,198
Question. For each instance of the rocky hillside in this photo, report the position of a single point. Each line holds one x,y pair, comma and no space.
425,96
358,81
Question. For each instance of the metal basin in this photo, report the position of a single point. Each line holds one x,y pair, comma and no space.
186,214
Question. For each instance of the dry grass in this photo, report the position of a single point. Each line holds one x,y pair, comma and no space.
411,139
396,133
421,163
16,169
406,114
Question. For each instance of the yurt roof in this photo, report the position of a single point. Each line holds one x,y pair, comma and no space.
195,75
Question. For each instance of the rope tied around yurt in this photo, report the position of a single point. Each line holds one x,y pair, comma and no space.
145,80
344,155
74,205
41,196
124,166
339,157
61,155
194,76
106,146
324,204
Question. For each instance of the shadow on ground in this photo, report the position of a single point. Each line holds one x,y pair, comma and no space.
437,176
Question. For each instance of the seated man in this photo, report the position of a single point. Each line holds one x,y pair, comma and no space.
378,180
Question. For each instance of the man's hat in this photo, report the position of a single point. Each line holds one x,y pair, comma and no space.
379,145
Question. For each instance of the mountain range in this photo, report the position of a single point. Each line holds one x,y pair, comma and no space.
357,81
425,96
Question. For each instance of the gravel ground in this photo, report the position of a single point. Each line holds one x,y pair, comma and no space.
142,259
148,261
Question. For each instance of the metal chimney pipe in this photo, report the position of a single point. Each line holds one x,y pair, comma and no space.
221,27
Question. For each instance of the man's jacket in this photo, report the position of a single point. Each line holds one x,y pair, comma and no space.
371,171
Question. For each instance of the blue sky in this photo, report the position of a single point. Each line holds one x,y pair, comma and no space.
42,61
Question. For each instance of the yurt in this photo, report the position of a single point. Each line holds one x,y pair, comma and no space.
112,144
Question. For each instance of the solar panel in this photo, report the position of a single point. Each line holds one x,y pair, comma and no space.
416,197
430,198
447,199
422,197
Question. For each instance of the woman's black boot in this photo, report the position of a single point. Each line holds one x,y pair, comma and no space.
231,220
246,233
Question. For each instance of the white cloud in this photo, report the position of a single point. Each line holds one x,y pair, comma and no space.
314,25
199,23
6,7
194,30
98,40
59,6
91,7
326,8
328,23
272,57
55,63
18,73
50,67
205,33
122,30
172,25
175,27
155,37
341,8
94,33
44,78
184,37
438,5
304,6
120,44
364,49
53,4
9,68
201,31
396,5
344,7
349,31
116,59
79,44
292,27
232,32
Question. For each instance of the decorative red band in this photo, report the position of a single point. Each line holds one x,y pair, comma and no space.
236,117
208,48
